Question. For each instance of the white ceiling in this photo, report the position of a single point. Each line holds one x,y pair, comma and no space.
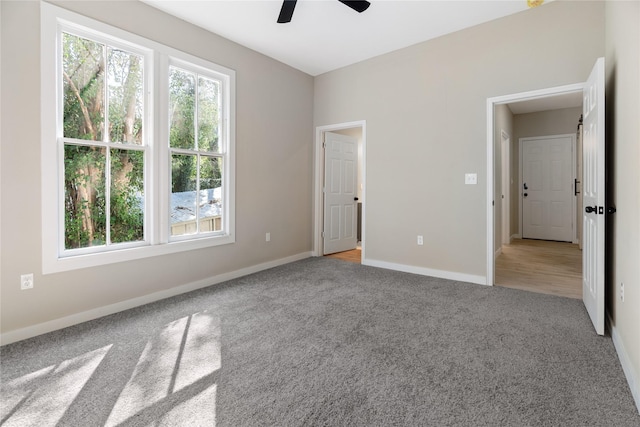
325,34
555,102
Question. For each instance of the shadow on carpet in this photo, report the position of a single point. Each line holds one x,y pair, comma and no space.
324,342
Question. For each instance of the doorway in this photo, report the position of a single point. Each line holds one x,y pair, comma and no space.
525,259
355,130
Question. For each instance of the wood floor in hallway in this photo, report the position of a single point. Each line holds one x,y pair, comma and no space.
541,266
354,255
530,265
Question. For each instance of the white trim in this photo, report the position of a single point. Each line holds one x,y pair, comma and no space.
505,157
491,103
515,236
318,178
633,377
74,319
498,252
521,141
442,274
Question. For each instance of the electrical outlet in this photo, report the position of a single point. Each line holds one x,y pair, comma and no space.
621,291
471,178
267,237
420,241
26,281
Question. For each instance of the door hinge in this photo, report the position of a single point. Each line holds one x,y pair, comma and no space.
323,234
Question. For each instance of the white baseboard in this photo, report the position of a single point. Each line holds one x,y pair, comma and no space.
633,377
515,236
451,275
74,319
498,252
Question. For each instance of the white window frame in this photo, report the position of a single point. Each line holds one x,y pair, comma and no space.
157,240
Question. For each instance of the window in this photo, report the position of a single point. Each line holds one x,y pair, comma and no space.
103,143
137,146
196,159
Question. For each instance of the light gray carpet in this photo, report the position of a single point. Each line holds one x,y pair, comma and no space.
325,342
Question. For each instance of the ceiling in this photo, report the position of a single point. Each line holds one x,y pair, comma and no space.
325,34
555,102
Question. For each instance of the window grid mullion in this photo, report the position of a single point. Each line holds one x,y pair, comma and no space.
105,129
107,196
198,193
197,149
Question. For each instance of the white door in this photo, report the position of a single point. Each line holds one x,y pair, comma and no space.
593,186
547,188
340,193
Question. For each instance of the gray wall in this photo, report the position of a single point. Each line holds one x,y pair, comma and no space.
273,173
543,123
425,107
623,141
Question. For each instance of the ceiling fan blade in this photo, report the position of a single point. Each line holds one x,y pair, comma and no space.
358,6
286,12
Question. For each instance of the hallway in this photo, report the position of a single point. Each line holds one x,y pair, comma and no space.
541,266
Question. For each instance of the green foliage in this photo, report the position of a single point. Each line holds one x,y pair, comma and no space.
85,217
87,67
127,201
185,100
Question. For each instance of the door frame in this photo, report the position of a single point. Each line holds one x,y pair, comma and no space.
491,132
505,201
318,182
521,142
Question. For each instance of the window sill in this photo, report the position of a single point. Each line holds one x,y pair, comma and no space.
54,264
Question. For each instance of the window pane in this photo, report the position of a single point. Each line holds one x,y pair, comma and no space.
210,203
183,194
83,84
208,96
124,80
127,196
182,91
84,185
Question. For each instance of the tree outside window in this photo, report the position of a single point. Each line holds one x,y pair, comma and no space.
103,143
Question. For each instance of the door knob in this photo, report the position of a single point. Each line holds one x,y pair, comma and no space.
355,199
591,209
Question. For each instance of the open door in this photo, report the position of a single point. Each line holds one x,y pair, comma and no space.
340,193
593,209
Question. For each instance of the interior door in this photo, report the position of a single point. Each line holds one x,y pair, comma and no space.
340,193
593,185
547,189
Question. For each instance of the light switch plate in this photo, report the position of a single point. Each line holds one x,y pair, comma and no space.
470,178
